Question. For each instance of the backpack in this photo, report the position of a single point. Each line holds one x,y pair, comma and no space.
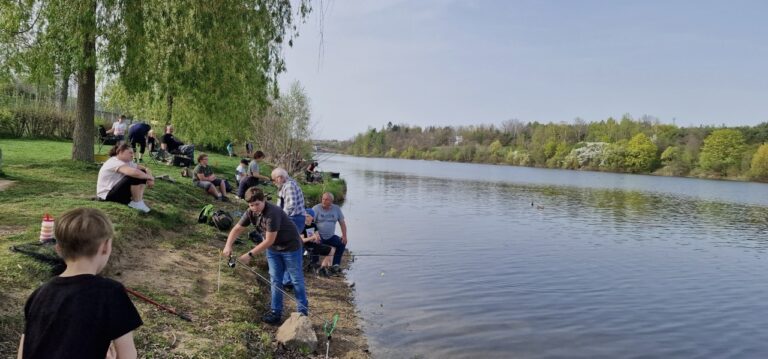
222,220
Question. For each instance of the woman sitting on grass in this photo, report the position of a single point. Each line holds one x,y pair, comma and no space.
122,181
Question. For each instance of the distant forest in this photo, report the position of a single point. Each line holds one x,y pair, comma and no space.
626,145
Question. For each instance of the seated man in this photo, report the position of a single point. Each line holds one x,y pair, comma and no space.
118,129
327,216
172,145
315,249
203,177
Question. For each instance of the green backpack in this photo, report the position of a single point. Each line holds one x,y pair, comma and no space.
205,214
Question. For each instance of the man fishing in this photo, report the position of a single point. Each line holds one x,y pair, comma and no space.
282,245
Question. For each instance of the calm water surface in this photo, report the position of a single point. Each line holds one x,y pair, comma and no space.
601,266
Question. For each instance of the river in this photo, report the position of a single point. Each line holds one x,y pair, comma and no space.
481,261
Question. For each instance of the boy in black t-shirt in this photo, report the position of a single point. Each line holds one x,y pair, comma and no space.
79,314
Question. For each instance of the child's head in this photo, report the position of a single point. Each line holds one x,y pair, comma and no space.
81,232
244,161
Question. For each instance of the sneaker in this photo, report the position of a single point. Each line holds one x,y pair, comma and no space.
335,269
141,206
272,317
323,272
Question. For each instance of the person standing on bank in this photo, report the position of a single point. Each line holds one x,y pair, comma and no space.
282,245
291,197
327,214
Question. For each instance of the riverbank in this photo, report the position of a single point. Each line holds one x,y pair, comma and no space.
165,255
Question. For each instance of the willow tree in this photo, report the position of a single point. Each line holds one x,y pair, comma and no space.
217,58
211,63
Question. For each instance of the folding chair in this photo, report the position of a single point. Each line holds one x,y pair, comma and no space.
105,138
159,155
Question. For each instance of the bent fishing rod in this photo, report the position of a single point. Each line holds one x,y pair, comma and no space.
232,262
150,301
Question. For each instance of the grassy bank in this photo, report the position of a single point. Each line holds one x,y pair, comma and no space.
164,254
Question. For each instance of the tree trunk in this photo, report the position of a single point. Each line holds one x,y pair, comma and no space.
64,90
82,138
169,108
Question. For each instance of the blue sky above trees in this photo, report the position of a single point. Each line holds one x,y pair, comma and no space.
450,63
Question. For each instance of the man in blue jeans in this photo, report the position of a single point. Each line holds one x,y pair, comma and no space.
291,200
283,246
326,216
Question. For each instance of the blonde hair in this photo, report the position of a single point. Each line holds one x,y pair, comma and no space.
81,231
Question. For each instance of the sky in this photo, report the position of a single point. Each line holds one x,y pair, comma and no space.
458,63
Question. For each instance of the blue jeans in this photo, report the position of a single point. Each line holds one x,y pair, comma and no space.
299,222
335,241
281,263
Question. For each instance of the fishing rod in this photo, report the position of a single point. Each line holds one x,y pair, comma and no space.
150,301
328,327
232,261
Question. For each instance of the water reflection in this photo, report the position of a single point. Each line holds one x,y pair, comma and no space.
539,263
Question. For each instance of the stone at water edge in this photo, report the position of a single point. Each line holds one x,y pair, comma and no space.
297,333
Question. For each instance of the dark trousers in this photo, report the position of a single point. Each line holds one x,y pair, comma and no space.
121,192
245,184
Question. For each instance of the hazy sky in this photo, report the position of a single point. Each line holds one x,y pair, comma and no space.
441,62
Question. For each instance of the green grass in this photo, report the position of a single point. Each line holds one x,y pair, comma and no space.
46,181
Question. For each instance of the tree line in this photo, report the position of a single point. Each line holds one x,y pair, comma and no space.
643,145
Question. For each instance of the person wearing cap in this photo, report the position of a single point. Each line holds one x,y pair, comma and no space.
316,250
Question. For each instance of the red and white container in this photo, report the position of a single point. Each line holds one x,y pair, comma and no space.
46,229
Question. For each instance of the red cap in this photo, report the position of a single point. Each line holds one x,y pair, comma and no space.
48,218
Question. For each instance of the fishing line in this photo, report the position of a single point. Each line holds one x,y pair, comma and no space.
233,260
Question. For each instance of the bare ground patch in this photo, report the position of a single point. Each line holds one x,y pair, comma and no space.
189,280
4,184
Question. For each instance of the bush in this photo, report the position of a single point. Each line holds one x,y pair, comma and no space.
36,122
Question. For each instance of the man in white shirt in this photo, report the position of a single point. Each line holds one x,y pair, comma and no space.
118,129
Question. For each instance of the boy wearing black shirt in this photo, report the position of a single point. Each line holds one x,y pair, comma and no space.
79,314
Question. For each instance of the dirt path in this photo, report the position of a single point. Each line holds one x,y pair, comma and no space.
189,278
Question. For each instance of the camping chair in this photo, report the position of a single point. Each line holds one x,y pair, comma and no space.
105,138
159,155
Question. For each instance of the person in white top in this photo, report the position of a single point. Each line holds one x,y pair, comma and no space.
122,181
118,129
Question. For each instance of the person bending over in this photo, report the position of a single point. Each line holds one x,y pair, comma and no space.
80,314
203,177
122,181
137,135
283,247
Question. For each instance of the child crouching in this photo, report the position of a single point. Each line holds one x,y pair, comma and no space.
78,314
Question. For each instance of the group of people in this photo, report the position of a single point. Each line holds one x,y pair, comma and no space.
286,230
